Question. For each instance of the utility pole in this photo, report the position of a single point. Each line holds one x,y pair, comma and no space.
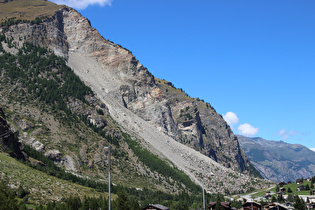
108,176
203,195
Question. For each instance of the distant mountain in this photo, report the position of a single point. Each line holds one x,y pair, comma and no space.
277,160
313,149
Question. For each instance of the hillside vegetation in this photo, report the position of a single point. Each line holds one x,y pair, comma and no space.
48,103
27,9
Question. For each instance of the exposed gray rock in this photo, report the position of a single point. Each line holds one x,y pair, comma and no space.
69,163
24,125
98,121
54,155
38,146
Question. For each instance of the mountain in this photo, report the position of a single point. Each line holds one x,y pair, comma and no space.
69,92
313,149
277,160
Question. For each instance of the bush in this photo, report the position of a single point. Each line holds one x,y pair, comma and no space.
21,192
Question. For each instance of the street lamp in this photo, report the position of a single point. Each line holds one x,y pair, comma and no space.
108,176
203,196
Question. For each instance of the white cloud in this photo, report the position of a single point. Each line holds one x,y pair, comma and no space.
82,4
286,134
230,118
247,129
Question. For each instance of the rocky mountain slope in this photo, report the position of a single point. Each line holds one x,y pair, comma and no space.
277,160
185,131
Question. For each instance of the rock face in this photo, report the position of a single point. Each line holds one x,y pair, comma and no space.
8,143
117,73
147,107
279,161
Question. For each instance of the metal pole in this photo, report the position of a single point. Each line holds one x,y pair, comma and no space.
203,196
108,176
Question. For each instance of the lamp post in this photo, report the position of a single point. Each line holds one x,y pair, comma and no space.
108,176
203,196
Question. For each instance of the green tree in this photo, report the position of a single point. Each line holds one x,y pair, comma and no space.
218,205
121,202
289,190
73,203
280,198
290,198
299,203
8,198
21,192
178,206
307,187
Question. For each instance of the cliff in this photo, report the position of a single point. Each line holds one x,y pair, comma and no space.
8,142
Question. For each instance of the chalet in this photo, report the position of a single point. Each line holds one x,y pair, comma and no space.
225,205
311,198
289,205
156,207
311,206
267,196
251,206
313,192
275,206
301,188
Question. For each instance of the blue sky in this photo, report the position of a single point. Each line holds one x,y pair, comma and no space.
252,60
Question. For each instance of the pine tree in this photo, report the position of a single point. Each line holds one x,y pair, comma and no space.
299,203
289,190
122,201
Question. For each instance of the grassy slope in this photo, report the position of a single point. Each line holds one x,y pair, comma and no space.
27,9
293,187
42,187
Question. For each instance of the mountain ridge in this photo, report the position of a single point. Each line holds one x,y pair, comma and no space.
277,160
161,116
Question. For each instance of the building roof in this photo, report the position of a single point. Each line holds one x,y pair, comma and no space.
251,203
224,204
157,207
275,206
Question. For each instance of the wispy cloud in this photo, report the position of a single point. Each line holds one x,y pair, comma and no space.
230,118
286,134
247,129
82,4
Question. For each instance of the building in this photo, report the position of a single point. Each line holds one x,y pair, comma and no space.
301,188
225,205
156,207
311,206
251,206
275,206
